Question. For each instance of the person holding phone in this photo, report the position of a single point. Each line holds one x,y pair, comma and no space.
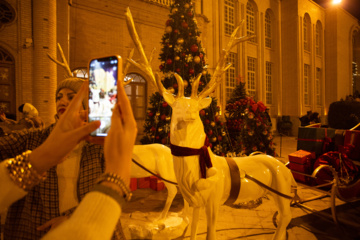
50,202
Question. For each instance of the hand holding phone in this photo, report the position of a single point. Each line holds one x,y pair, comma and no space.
104,74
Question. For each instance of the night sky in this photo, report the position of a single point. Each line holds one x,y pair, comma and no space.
352,6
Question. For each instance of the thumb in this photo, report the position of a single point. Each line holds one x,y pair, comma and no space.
84,130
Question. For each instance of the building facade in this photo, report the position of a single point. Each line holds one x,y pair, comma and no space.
303,56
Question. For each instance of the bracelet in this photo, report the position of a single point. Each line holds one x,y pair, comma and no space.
22,172
110,192
114,178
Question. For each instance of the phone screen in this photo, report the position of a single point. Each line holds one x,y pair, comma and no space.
103,74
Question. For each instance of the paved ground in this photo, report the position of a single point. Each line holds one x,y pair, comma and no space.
138,217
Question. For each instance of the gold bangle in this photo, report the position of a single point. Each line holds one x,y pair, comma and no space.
114,178
22,172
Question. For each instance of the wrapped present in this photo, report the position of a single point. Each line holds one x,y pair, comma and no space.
302,162
318,140
352,144
144,182
133,184
339,139
156,184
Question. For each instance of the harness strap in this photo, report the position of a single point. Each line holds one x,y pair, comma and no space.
235,181
267,187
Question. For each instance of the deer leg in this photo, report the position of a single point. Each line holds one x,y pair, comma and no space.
212,209
284,216
194,223
172,190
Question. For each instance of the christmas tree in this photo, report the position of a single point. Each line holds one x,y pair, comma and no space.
248,127
183,54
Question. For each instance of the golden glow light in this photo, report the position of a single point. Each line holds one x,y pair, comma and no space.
336,2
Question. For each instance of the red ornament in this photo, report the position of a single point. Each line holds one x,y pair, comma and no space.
169,61
168,22
178,70
150,114
189,14
176,31
175,85
210,132
164,104
157,137
163,141
219,138
191,71
184,25
183,54
153,129
207,121
161,67
194,48
186,65
216,119
202,112
163,117
201,55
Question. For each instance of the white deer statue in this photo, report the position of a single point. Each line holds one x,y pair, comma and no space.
216,180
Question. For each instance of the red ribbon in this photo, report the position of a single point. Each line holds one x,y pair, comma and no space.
204,158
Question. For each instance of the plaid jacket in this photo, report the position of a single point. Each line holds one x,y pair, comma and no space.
42,202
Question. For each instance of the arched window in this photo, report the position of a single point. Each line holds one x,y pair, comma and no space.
80,72
307,32
136,92
318,39
7,14
250,20
7,84
229,17
267,30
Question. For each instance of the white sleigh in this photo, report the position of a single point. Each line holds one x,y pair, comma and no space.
217,186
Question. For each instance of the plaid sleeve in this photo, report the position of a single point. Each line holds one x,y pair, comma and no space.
19,141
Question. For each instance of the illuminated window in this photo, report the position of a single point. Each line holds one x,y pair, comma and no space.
229,17
250,21
80,72
268,78
136,91
230,83
251,76
267,30
318,39
307,33
317,86
307,84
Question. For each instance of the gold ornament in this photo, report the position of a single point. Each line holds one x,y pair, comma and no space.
223,134
186,5
157,114
171,89
180,41
168,118
198,39
175,10
186,83
212,124
182,16
213,139
177,58
204,72
196,59
168,29
160,129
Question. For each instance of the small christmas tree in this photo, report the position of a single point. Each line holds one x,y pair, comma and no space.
248,127
183,54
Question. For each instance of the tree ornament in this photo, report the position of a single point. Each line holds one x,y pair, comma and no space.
171,89
157,137
194,48
250,133
198,39
251,115
207,121
204,72
223,133
168,29
175,85
183,54
160,129
182,16
168,118
184,25
246,111
191,71
176,31
169,21
197,59
178,70
186,83
177,58
189,13
265,132
164,141
153,129
212,124
210,132
157,114
213,139
202,112
186,5
180,41
161,67
174,10
220,138
163,117
254,148
169,61
164,104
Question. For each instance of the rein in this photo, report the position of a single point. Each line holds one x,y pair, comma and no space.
147,170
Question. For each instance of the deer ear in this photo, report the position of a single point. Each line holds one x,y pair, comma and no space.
204,103
169,97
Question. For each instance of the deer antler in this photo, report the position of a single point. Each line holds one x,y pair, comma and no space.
220,67
146,65
126,68
64,64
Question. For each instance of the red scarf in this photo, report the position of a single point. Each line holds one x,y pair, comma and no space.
204,158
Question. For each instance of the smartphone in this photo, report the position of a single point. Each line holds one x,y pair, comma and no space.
104,74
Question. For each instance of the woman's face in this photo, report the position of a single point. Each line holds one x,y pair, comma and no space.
63,99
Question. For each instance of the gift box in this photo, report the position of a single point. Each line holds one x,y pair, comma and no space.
133,184
156,184
302,162
352,144
318,140
144,182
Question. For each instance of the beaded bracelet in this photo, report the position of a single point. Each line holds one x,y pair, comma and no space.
22,172
114,178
